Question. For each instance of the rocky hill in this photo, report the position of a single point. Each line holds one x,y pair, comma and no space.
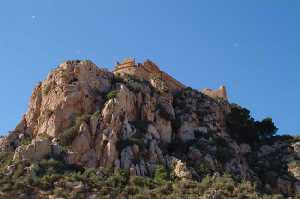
137,132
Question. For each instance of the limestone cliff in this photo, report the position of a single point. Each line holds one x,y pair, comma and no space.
136,118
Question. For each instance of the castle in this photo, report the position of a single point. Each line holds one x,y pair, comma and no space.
220,93
149,70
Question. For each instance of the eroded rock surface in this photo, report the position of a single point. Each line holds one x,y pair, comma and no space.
138,118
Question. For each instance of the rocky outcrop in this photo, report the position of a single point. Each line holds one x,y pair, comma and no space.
70,90
138,118
115,119
35,151
181,170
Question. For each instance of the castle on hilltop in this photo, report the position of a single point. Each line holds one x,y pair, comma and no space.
220,93
148,70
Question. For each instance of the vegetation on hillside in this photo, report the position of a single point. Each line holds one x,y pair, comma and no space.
245,129
54,177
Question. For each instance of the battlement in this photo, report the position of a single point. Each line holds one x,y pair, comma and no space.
146,71
220,93
129,62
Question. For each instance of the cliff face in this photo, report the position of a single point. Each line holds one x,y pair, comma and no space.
136,118
73,105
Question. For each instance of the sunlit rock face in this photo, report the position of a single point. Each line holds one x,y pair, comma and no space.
71,89
138,118
113,119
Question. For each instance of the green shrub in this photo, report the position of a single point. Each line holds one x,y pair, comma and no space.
224,153
278,196
5,159
131,190
26,141
243,128
143,182
67,137
112,94
118,179
161,175
224,182
44,136
203,169
266,128
60,192
96,114
117,79
141,125
46,89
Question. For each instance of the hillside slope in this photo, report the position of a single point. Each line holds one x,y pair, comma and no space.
139,133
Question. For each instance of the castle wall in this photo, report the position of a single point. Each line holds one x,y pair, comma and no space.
219,93
147,71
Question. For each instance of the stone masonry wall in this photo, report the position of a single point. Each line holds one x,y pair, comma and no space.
146,71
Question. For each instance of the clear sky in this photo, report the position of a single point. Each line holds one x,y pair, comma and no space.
251,46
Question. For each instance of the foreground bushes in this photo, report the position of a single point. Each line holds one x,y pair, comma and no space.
54,177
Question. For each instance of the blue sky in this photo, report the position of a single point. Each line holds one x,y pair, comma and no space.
251,46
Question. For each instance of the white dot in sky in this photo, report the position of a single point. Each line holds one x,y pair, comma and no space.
33,16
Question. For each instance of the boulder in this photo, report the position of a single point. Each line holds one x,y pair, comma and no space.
181,170
35,151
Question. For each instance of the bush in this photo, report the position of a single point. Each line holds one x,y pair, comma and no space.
141,125
143,182
112,94
46,182
266,129
117,79
119,179
278,196
104,183
96,115
243,128
67,137
26,141
224,153
44,136
46,89
5,159
240,125
203,169
161,175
